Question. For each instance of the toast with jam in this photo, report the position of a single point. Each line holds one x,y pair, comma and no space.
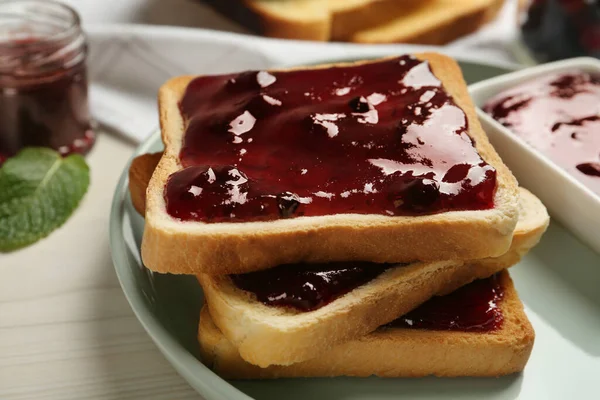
373,21
379,161
299,308
478,330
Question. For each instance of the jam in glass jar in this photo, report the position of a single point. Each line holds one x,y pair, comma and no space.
43,81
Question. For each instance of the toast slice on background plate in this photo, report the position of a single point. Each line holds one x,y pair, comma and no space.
171,245
372,21
253,326
319,20
434,22
393,351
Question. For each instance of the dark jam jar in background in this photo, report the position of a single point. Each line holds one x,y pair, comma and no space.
43,82
558,29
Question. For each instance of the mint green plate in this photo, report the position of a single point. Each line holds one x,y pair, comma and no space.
559,282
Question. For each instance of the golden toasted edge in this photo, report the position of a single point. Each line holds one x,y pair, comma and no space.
457,22
393,352
259,245
360,15
313,23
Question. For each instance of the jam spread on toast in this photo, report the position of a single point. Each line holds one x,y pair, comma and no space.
307,287
377,138
472,308
559,115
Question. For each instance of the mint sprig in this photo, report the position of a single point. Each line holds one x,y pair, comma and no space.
39,190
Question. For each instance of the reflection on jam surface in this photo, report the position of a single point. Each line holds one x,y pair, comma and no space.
472,308
559,115
379,138
307,287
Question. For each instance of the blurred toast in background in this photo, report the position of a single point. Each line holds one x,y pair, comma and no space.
362,21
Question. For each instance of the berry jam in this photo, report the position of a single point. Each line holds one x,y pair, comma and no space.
307,287
472,308
558,29
379,138
43,80
48,113
559,115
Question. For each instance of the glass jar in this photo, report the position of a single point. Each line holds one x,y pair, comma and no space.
43,80
559,29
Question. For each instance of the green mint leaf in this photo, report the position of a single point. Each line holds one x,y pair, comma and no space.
39,190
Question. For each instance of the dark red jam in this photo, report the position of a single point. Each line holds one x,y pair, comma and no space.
559,115
558,29
307,287
472,308
43,82
380,138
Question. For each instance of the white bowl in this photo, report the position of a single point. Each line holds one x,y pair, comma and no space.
568,200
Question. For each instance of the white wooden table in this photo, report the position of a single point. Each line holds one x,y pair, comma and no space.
66,329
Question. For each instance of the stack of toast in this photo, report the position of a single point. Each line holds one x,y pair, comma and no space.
362,21
307,268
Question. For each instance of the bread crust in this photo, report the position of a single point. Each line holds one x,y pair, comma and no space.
362,21
393,352
179,247
436,23
303,19
349,17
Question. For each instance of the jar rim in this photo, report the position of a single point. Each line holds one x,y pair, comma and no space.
73,20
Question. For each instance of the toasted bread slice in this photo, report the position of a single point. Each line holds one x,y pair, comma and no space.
319,20
372,21
184,247
253,327
431,22
303,19
349,16
393,352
